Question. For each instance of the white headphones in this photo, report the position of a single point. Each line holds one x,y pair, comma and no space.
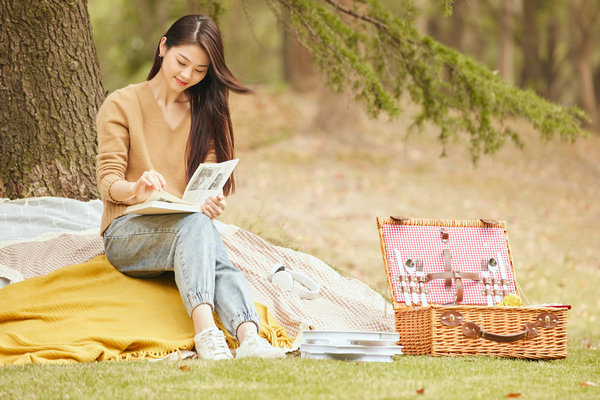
295,282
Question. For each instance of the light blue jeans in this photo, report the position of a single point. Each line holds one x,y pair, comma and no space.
145,246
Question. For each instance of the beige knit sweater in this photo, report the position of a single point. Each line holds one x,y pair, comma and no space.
133,137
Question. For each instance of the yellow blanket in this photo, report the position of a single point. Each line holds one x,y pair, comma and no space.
90,311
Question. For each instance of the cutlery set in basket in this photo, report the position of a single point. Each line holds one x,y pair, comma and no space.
448,280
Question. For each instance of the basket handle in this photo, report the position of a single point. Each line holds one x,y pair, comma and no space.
472,330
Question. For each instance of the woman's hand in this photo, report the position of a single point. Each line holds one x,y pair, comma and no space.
214,206
147,183
139,190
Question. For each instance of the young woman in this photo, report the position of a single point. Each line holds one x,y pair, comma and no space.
152,136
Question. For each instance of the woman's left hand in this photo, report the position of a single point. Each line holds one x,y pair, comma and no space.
214,206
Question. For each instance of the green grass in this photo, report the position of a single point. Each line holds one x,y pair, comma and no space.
296,378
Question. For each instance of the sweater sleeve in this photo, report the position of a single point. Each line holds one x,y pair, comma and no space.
113,145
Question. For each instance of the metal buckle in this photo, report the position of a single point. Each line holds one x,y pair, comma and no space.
445,235
451,318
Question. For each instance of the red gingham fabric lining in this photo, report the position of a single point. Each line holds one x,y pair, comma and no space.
468,247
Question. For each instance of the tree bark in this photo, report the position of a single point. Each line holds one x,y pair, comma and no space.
50,90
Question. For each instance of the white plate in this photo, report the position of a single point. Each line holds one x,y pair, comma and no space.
350,337
347,357
351,349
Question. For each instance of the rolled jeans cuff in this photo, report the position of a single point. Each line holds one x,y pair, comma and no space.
195,299
245,317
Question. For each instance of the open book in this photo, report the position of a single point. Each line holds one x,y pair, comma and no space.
207,181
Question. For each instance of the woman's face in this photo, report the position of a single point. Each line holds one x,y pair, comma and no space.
183,66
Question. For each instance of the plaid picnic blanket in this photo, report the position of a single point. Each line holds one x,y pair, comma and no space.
344,303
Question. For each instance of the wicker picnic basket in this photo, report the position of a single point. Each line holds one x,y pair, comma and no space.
442,309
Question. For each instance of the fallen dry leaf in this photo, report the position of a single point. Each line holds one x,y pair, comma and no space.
513,395
588,383
184,368
421,391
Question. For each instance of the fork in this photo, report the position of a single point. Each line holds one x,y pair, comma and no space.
404,285
485,273
497,289
410,269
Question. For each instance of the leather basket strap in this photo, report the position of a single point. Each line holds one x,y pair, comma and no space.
472,330
457,276
544,320
453,275
448,266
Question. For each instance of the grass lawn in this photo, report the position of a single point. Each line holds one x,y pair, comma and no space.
297,378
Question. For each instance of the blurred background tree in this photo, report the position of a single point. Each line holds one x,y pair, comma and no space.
547,46
371,49
126,34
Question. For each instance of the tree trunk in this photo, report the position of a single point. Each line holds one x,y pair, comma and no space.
337,112
50,90
458,28
586,83
298,69
551,65
583,17
597,84
506,52
147,26
531,70
153,18
473,38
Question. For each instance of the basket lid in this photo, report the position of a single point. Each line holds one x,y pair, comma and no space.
432,261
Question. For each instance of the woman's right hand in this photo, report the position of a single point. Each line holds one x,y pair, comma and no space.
147,183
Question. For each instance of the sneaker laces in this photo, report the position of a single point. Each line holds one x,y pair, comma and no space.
215,344
257,346
254,339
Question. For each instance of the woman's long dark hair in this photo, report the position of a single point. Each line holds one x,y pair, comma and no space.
211,120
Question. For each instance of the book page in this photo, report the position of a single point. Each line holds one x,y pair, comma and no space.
208,180
166,197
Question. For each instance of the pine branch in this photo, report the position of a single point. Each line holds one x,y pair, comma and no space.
354,14
380,57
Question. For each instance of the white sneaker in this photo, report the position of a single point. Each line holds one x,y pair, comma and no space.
256,346
211,345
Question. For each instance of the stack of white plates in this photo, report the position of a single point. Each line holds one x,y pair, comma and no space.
354,346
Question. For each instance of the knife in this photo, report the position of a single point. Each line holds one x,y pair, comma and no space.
405,287
504,275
